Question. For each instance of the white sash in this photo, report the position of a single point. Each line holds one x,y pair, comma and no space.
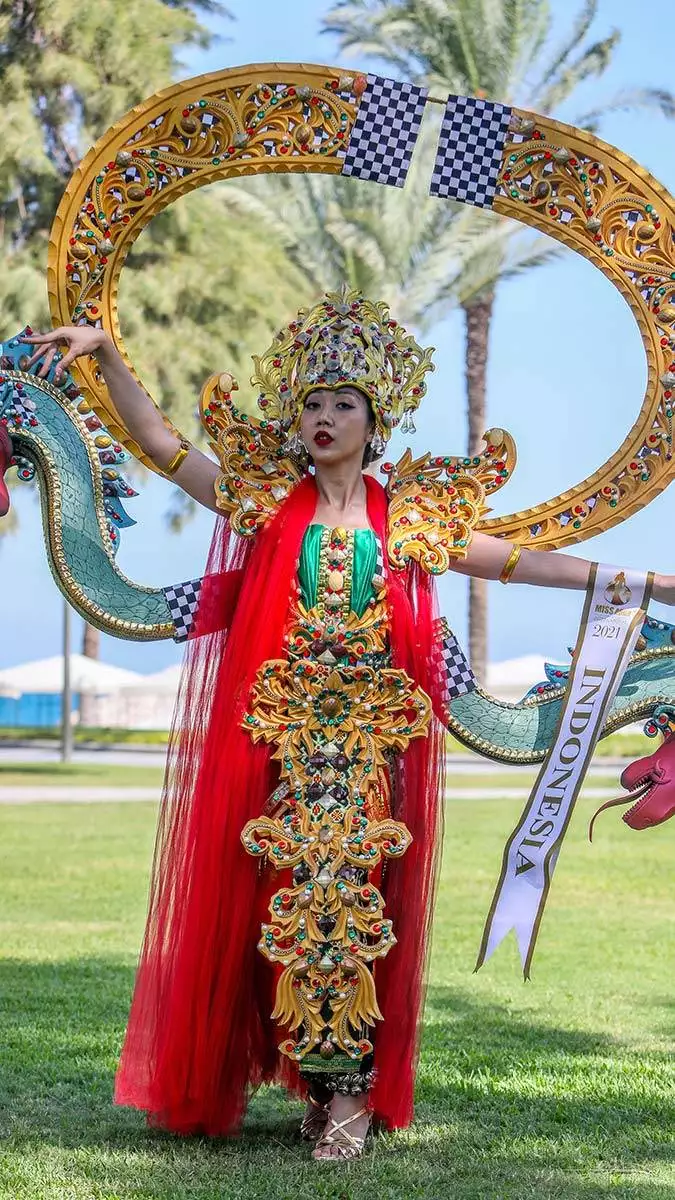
612,618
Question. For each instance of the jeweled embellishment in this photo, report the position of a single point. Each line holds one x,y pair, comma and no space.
333,722
324,932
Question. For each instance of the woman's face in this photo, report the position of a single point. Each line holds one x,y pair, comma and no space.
336,426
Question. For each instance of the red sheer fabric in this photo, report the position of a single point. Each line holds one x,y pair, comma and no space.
199,1037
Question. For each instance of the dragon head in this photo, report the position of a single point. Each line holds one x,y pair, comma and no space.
650,782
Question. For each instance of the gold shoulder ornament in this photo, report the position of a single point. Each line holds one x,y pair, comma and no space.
435,503
257,471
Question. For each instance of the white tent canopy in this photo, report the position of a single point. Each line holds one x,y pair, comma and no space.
87,675
162,683
511,679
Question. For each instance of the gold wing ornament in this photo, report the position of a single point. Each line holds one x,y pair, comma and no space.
257,471
436,502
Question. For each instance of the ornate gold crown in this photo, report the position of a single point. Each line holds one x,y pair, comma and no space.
344,339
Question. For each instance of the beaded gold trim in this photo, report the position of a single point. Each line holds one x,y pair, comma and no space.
257,471
435,503
336,559
333,728
567,183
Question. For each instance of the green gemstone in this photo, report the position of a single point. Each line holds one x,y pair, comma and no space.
513,158
514,193
529,158
648,207
202,103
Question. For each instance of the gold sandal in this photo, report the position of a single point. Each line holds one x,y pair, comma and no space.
314,1120
347,1145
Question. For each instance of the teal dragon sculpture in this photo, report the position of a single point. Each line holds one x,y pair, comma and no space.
57,439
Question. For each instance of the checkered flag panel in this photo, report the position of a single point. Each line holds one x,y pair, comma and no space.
385,131
182,599
459,677
469,152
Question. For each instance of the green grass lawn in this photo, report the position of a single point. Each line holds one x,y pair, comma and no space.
56,774
617,744
563,1087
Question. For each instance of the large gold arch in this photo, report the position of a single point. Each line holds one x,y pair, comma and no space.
296,118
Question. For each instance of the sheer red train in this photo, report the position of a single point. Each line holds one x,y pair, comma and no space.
200,1038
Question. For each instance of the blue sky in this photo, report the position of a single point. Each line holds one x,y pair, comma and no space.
567,375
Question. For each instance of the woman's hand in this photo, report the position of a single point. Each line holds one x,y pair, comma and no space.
80,340
664,589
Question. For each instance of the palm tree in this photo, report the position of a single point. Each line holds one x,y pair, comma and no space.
500,50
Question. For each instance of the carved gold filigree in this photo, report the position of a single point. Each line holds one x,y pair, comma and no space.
436,503
369,711
321,967
257,472
299,118
588,195
230,123
338,639
332,728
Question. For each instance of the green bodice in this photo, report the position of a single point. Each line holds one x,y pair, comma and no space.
362,548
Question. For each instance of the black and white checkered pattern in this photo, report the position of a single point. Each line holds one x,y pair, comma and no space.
383,137
182,599
469,152
460,679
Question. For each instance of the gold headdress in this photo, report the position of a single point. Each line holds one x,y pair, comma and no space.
344,339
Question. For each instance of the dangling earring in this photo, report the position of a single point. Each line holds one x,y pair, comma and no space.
377,444
295,445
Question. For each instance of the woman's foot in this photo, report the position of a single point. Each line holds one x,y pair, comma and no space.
314,1120
346,1129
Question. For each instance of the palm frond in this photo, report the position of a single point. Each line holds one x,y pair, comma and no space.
631,100
569,46
592,62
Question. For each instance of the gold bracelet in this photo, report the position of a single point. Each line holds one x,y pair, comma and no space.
178,458
510,565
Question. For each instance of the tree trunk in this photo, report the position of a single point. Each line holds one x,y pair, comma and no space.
478,315
91,648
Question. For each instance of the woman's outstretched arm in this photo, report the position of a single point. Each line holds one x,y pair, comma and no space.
488,556
197,473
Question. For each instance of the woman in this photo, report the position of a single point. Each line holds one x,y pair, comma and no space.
310,724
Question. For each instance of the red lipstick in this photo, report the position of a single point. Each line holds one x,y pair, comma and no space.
322,438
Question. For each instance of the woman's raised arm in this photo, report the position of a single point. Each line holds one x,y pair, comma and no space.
193,471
